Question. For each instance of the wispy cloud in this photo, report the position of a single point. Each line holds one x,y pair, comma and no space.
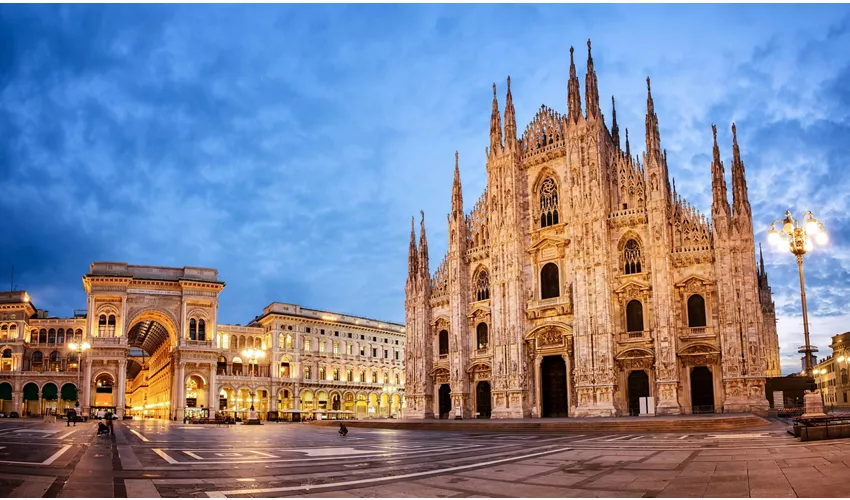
288,146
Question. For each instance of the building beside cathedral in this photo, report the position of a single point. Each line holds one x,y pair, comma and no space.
155,349
581,281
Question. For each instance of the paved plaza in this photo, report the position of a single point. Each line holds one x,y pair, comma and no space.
166,459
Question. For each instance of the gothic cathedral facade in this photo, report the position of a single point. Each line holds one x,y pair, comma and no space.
581,282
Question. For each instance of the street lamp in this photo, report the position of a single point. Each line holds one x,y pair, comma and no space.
797,238
79,348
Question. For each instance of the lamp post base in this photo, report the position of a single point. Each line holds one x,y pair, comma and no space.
813,404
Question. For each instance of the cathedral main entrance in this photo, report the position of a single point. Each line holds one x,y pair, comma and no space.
553,372
638,388
483,399
702,390
445,401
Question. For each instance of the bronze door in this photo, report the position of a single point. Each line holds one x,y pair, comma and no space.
445,401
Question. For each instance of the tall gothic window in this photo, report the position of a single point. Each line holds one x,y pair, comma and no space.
193,329
696,311
631,258
549,282
202,330
483,337
548,203
444,342
482,285
634,316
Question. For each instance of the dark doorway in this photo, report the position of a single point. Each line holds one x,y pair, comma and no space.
482,399
445,401
553,371
702,390
638,388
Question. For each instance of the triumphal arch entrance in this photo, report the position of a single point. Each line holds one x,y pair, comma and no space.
151,333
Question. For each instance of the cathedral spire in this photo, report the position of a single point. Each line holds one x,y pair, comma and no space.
653,137
591,88
510,119
761,262
412,257
573,94
495,126
457,191
628,149
719,200
615,130
740,201
424,272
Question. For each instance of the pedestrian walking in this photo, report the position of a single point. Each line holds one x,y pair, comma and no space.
72,415
343,430
109,423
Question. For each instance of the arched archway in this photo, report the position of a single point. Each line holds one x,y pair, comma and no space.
49,399
151,334
30,396
6,397
196,397
104,392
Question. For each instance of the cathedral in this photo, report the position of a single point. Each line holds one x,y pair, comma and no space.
582,284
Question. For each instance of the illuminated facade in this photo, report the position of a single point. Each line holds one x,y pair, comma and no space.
155,349
831,374
581,281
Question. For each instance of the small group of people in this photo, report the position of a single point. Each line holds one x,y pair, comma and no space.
106,428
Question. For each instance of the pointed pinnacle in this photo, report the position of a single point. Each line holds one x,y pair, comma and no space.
509,84
494,90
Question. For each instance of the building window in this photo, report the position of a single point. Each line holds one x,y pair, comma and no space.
306,345
51,336
336,348
444,342
482,285
307,375
362,351
631,258
321,347
396,355
202,330
37,361
548,203
336,373
482,334
284,370
374,352
348,349
396,379
348,375
374,377
321,374
844,378
634,316
60,335
193,330
549,283
696,311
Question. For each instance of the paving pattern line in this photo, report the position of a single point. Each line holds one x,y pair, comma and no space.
140,435
375,454
223,494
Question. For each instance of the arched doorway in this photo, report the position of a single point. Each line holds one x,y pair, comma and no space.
482,399
702,390
361,409
6,398
196,398
30,399
553,372
68,396
638,387
49,399
103,393
445,400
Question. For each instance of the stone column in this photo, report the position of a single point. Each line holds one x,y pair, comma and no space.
181,390
538,378
85,398
212,391
17,402
122,390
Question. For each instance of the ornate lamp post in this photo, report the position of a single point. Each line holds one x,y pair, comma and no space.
81,348
253,355
797,238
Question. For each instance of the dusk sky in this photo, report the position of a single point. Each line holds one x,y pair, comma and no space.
288,146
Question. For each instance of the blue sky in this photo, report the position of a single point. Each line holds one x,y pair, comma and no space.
288,146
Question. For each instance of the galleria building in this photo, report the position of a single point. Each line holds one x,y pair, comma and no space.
157,351
582,282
